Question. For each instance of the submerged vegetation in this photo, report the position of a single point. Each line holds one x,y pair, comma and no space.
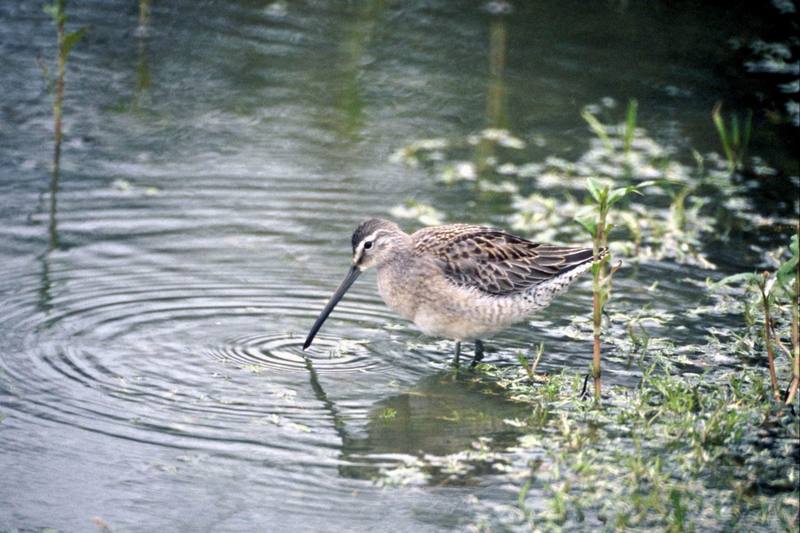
215,160
693,445
682,451
686,449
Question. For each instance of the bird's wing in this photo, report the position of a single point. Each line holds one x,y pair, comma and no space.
494,261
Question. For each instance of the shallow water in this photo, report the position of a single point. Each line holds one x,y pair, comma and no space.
214,165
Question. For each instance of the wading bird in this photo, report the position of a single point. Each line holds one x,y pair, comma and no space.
459,281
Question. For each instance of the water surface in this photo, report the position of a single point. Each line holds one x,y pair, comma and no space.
215,162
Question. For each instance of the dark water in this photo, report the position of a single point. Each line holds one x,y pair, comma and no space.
215,162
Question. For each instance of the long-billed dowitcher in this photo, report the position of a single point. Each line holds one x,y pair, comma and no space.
459,281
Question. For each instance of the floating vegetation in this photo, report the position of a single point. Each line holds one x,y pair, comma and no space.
436,154
453,468
125,186
423,213
682,451
387,413
690,203
701,441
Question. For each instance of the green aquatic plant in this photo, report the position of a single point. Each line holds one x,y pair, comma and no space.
761,281
66,41
680,452
734,138
529,367
630,125
543,197
387,413
604,199
606,133
598,128
777,296
423,213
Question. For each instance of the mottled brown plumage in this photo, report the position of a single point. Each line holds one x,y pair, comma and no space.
494,261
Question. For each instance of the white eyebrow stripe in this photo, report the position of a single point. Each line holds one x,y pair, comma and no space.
360,248
372,236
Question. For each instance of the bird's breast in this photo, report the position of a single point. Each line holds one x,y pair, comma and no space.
400,290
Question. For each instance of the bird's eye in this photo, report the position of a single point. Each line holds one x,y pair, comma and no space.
368,245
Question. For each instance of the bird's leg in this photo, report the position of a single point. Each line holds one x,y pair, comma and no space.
582,395
458,354
478,354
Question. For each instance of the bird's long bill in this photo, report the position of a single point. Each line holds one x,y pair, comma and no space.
352,275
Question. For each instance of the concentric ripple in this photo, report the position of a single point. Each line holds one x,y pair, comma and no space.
285,352
127,348
153,309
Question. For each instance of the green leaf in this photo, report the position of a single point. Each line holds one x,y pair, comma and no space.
588,224
522,494
630,123
769,284
593,188
736,279
598,129
53,10
618,194
72,38
786,272
722,131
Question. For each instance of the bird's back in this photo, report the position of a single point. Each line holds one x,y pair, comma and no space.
496,262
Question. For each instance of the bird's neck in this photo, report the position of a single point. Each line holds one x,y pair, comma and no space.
400,250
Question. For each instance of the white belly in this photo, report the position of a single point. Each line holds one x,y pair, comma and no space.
461,315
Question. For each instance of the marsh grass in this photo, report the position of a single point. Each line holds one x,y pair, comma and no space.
687,203
530,368
776,295
734,139
680,452
630,125
700,443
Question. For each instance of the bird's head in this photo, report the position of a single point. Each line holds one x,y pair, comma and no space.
374,242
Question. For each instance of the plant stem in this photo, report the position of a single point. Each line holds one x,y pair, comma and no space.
59,96
599,242
773,378
536,361
630,124
795,331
